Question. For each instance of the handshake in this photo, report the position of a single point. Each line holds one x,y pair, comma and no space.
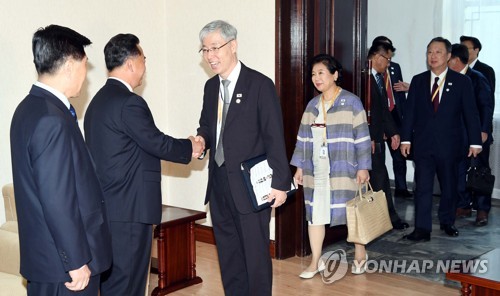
198,146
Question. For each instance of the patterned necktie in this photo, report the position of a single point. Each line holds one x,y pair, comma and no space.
390,94
380,83
435,99
219,151
73,112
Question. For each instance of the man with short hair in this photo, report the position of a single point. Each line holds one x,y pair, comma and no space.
382,125
485,105
253,126
438,109
63,231
127,148
474,47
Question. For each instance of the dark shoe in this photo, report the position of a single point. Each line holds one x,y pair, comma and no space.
418,235
481,218
402,193
400,225
450,230
463,213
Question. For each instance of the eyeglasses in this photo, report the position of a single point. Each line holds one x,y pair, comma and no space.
388,59
205,51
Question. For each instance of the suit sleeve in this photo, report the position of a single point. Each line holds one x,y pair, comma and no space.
409,112
271,127
204,129
485,103
140,126
54,172
471,115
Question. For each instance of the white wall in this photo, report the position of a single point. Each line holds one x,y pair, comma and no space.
173,87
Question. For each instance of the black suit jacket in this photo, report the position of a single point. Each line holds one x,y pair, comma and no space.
59,201
484,101
382,121
488,72
441,132
254,126
127,148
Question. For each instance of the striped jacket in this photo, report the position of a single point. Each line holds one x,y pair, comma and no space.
349,150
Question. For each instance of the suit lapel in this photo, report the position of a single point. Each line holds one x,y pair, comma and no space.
48,96
239,98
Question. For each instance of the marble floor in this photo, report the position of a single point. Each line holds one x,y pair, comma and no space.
428,258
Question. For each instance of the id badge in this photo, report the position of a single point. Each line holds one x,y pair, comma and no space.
323,153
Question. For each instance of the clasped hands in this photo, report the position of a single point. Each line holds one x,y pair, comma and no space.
198,145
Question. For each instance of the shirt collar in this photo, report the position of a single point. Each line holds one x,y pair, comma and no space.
124,83
55,92
464,70
473,63
441,76
233,77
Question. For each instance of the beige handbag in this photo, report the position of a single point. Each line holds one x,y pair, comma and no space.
367,215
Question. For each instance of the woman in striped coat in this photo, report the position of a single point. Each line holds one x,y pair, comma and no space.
332,156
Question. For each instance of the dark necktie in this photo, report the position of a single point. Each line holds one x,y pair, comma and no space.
380,83
435,94
219,152
73,112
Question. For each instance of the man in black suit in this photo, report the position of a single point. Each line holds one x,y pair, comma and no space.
396,90
63,230
382,125
439,107
474,47
127,148
485,105
253,126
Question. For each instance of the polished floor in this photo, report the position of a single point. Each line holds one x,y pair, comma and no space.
430,258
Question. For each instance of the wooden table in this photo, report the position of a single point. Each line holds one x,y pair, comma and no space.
481,284
176,249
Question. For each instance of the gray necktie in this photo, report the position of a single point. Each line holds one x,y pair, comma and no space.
219,152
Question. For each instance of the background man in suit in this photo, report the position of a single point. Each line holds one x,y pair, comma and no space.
396,88
127,148
485,105
382,124
254,126
63,230
439,106
474,47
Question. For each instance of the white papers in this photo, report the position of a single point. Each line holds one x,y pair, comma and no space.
261,176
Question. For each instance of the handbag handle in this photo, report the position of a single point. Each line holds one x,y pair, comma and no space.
368,187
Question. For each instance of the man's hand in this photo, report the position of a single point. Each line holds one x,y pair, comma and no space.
297,178
405,149
278,196
198,145
395,142
401,86
79,278
474,151
373,147
484,136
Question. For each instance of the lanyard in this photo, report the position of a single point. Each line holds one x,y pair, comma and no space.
437,89
337,92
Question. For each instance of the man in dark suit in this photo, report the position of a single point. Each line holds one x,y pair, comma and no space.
382,125
474,47
438,108
396,90
485,105
63,230
253,126
127,148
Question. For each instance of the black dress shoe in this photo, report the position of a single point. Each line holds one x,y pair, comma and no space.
450,230
402,193
418,235
481,218
400,225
